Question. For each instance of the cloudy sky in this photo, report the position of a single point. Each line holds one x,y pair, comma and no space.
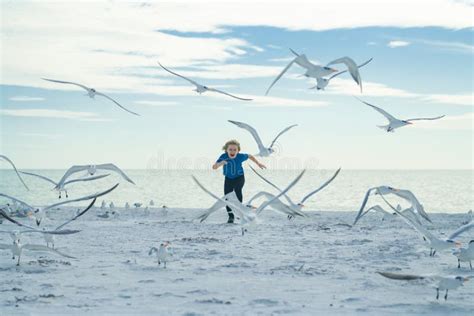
422,66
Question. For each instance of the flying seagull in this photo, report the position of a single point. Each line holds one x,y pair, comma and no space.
404,194
91,170
393,122
351,67
39,212
48,235
295,206
92,93
435,243
200,88
443,283
61,188
248,217
323,82
263,151
14,168
312,70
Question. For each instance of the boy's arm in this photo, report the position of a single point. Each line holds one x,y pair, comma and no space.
219,164
258,163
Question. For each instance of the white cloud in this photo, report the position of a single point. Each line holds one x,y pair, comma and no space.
155,103
455,99
128,35
450,46
23,98
395,44
46,113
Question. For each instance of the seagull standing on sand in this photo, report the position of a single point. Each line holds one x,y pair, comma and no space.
39,212
263,151
61,187
443,283
312,70
16,171
322,83
393,122
465,254
91,170
163,253
200,88
92,93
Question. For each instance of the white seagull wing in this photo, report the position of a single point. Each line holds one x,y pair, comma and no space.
425,118
17,200
461,230
388,116
271,184
178,75
252,131
351,66
364,202
270,201
78,215
14,168
280,75
39,176
281,133
86,179
118,104
45,249
69,172
344,71
215,207
112,167
228,94
68,82
325,184
85,198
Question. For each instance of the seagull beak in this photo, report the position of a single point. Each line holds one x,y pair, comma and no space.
466,279
334,70
458,244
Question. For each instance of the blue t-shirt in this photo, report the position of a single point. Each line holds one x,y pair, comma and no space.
233,168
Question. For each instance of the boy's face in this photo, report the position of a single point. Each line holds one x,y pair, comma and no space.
232,151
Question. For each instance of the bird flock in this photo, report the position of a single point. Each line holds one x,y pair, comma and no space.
247,213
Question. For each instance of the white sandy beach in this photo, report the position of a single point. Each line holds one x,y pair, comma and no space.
303,267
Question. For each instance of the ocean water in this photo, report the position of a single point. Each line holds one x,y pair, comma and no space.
445,191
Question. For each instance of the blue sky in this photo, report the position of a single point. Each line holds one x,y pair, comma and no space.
422,66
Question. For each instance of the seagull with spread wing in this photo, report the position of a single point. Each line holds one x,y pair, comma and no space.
443,283
263,151
297,207
201,88
393,122
39,212
61,188
407,195
91,170
322,83
312,70
248,216
92,93
48,235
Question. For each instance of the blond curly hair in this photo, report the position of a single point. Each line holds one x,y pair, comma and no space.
231,142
